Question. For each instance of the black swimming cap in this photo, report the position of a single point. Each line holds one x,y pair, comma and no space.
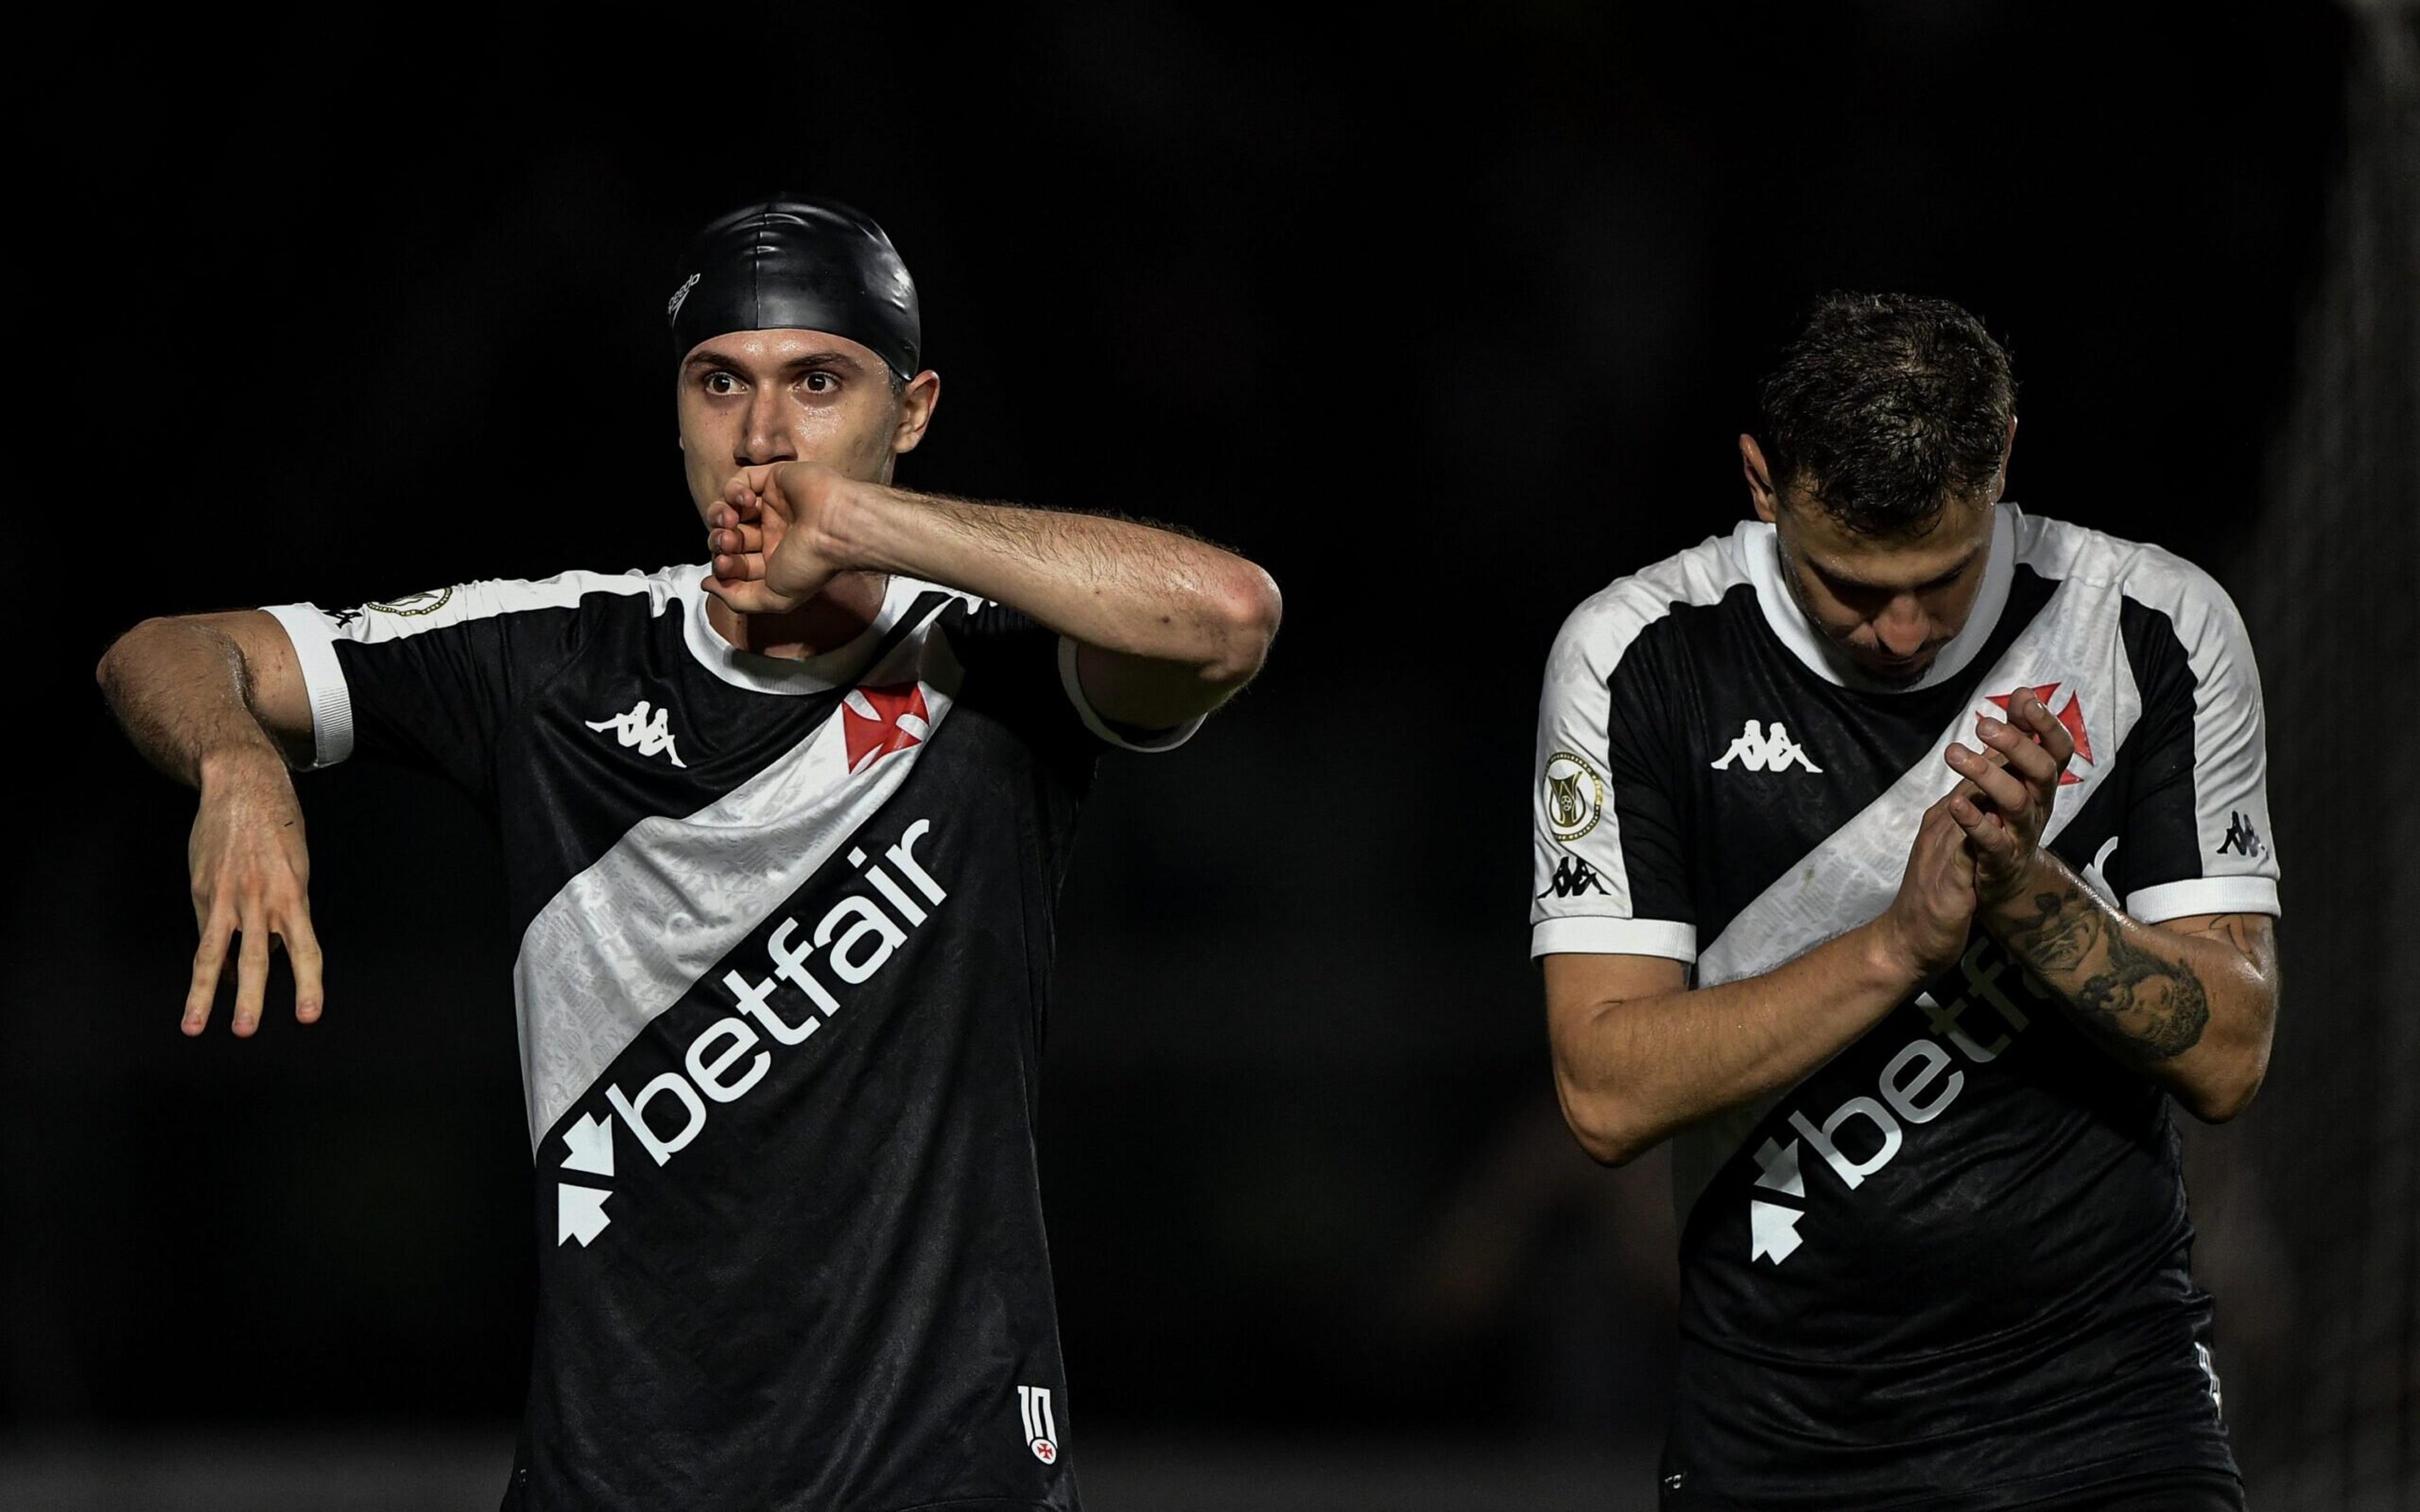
796,264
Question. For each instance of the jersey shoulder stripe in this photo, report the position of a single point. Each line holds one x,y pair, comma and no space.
314,632
1598,632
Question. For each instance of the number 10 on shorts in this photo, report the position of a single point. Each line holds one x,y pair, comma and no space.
1041,1433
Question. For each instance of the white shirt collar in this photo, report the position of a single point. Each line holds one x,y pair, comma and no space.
820,674
1759,548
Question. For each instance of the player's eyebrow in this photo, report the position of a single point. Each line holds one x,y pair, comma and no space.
1849,580
832,357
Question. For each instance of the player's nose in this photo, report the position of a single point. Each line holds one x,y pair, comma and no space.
1904,627
765,437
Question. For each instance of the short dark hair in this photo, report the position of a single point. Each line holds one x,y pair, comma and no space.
1884,407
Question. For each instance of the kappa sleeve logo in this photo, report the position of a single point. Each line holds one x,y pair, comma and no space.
2243,836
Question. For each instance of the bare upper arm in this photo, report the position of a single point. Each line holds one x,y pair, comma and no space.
1578,985
279,697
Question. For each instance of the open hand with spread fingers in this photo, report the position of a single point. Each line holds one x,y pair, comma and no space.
2009,788
775,536
251,889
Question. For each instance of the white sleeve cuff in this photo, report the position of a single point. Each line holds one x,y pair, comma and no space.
332,705
1594,934
1153,741
2203,895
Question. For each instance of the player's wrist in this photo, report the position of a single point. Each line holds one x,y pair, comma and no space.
848,523
2007,901
238,760
1890,961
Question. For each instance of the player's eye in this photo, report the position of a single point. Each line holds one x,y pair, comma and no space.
720,382
820,382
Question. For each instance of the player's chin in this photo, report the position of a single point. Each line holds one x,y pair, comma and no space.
1896,673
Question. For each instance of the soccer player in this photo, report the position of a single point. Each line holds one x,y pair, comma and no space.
784,834
1900,857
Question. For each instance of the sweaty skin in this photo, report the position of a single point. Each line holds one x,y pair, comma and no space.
777,428
2190,1003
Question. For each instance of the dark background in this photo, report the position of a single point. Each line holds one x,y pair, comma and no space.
1445,327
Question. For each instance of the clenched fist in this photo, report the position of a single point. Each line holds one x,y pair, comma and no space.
776,536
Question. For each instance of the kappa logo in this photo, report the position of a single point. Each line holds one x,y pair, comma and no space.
875,721
2242,837
2072,716
680,296
1574,876
1041,1433
654,737
2210,1368
1915,1087
1761,752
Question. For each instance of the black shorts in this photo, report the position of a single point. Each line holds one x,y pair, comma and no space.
2168,1490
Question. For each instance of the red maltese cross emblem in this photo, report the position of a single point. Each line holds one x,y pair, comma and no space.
2072,716
875,721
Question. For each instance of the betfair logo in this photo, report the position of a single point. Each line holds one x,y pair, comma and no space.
810,969
1916,1085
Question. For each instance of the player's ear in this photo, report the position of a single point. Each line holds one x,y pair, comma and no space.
1759,480
916,404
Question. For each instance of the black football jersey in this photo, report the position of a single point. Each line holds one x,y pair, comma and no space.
785,939
1950,1267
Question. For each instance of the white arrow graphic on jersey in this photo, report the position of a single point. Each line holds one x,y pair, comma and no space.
1773,1231
1780,1168
591,1143
580,1213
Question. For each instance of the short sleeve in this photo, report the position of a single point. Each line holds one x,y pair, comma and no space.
1024,672
1606,825
2195,838
432,680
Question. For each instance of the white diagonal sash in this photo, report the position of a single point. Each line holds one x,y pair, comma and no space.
627,938
1854,873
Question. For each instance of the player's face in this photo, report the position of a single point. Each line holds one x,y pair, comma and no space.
749,398
1890,605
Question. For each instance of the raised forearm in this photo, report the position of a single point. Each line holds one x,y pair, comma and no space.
2192,1012
182,691
1126,588
1633,1073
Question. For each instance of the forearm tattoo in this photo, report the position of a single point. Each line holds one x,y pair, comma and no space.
2156,1006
